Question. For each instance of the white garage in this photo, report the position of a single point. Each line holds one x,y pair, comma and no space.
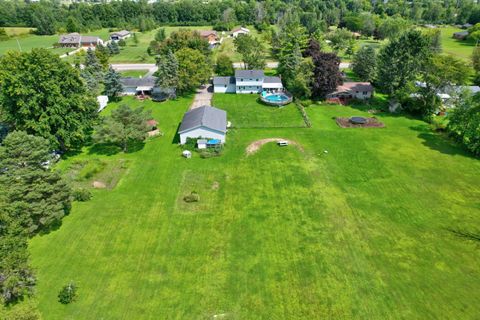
204,122
224,84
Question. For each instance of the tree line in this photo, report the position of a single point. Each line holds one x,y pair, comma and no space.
49,17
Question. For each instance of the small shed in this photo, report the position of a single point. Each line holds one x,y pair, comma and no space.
461,35
187,154
202,143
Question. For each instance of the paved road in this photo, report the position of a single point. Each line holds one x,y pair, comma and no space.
203,97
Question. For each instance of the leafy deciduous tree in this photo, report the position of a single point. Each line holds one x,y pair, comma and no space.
252,51
45,96
224,66
193,69
364,63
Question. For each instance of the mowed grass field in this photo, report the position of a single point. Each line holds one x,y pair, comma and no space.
370,230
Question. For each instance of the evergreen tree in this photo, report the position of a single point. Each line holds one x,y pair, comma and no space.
33,195
160,36
124,127
113,48
112,85
72,25
92,73
167,73
45,96
364,63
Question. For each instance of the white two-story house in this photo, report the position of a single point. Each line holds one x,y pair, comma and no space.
247,81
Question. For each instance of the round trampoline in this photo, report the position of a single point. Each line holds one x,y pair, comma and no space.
358,120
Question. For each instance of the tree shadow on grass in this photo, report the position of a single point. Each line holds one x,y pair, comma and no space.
467,235
176,137
110,149
442,144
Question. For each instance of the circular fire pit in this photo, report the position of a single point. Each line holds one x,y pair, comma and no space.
358,120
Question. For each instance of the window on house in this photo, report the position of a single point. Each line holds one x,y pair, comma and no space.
365,92
225,86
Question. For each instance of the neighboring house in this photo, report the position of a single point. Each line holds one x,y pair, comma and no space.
224,85
247,81
203,122
461,35
209,35
353,90
120,35
134,86
466,26
240,31
76,40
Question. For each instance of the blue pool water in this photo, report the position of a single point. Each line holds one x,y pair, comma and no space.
276,97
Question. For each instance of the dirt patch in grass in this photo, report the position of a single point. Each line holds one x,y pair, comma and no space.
256,145
371,123
96,173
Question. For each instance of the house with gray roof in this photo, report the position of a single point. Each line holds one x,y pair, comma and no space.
247,81
204,122
133,86
76,40
120,35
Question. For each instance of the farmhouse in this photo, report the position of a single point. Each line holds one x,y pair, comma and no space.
76,40
461,35
204,122
209,35
120,35
353,90
247,81
240,31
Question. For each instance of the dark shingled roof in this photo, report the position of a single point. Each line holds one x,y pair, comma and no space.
138,82
272,80
223,80
205,116
249,74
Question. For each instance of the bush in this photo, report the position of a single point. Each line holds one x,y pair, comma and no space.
192,197
81,195
122,43
211,152
68,293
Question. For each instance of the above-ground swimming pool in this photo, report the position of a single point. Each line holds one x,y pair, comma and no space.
276,99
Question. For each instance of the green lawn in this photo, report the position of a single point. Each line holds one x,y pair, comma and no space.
133,73
458,48
245,111
365,231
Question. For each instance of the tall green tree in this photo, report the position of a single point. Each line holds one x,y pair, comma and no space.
464,124
194,69
123,127
167,73
340,39
72,25
161,35
32,194
252,51
103,54
326,73
400,61
224,66
112,85
45,96
364,63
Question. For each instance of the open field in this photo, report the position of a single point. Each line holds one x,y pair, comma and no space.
458,48
370,230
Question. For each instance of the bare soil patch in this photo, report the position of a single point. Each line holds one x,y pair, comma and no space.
256,145
371,123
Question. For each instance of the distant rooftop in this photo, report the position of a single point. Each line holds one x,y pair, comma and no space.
249,74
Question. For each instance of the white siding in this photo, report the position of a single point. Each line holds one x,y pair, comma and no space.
249,89
130,91
220,88
203,133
